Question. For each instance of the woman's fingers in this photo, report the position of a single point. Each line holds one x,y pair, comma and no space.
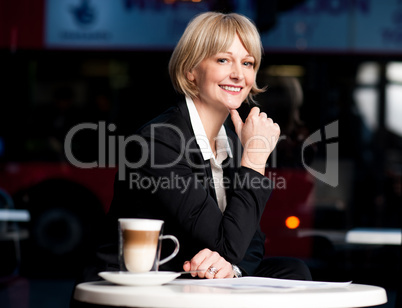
255,111
237,122
198,263
211,263
225,269
211,258
187,266
259,137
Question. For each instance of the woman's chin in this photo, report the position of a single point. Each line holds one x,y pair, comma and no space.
234,105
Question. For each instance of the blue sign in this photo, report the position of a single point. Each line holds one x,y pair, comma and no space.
313,26
339,26
380,29
119,24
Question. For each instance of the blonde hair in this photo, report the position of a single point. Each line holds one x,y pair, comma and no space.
206,35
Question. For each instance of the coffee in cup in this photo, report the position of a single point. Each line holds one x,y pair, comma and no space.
140,244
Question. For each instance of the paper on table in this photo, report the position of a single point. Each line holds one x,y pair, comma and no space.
261,283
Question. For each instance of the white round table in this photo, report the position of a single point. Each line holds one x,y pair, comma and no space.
195,296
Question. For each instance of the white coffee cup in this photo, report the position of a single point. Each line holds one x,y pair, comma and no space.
140,242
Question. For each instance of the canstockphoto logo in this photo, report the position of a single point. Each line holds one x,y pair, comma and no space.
331,174
84,13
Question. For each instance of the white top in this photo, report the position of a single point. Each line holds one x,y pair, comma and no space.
196,296
222,152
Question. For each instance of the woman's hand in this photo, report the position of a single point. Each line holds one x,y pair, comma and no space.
258,135
211,264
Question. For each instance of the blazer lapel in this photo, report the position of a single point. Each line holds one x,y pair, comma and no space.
204,173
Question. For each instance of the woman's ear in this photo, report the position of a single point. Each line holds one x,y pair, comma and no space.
190,76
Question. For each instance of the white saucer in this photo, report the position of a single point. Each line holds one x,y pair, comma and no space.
139,279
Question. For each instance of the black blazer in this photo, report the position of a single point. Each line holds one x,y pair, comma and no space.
168,179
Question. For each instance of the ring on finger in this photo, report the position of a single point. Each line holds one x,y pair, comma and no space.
212,270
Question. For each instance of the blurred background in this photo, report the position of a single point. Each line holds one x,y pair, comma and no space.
333,71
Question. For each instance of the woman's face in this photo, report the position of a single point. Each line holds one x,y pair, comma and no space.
224,80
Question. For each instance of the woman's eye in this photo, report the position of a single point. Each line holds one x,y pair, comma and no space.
222,60
248,63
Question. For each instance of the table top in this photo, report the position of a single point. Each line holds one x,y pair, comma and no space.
196,296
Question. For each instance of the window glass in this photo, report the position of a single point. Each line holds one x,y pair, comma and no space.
368,73
367,104
393,110
394,72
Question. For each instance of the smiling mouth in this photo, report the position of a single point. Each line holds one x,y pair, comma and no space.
231,89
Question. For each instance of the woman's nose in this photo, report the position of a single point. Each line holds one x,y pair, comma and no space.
237,72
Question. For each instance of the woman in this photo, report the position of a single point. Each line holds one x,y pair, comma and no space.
206,183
